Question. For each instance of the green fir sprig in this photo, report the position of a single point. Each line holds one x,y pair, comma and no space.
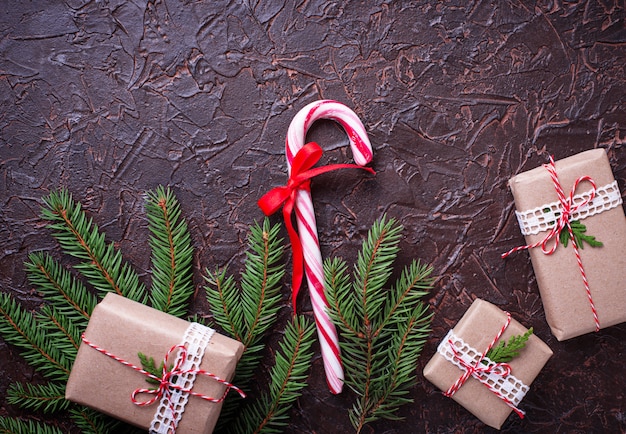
80,237
149,365
9,425
579,231
382,330
247,313
269,414
504,352
172,254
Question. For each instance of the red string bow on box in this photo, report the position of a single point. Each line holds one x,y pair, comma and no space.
166,382
477,370
567,209
302,171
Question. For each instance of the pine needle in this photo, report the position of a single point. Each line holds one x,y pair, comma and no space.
247,314
19,327
47,398
80,237
172,253
269,414
92,422
382,331
60,288
10,425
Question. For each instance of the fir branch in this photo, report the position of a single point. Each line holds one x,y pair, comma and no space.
92,422
288,377
19,327
260,282
249,313
80,237
382,331
405,347
224,297
47,398
149,365
579,230
59,287
10,425
505,352
374,266
172,253
61,330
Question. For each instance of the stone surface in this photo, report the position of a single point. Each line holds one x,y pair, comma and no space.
112,98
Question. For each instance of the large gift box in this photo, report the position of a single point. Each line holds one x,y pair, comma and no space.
489,391
118,330
572,307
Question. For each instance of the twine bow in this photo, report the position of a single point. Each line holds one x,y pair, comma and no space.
167,381
567,209
299,179
477,371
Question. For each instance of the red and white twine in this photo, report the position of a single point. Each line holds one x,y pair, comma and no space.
567,209
477,370
166,382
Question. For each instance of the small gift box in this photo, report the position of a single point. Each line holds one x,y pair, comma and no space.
487,389
582,281
184,397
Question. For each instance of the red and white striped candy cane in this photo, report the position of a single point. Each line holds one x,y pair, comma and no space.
307,228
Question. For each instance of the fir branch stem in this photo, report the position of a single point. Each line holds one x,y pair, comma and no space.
220,282
61,212
172,253
20,329
41,264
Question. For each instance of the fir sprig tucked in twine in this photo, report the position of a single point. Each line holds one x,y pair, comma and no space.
382,331
48,339
505,351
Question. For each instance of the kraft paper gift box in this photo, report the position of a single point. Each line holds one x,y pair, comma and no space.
563,293
124,328
478,327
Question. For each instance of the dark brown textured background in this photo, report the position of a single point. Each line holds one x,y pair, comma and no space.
112,98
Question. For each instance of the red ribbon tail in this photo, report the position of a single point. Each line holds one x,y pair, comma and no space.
297,253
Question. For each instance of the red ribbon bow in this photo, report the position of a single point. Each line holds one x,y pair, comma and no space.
567,209
300,179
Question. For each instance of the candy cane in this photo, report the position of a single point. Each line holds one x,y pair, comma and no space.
307,228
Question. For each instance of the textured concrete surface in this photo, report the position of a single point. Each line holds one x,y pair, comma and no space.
112,98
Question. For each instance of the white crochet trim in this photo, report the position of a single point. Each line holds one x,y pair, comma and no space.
544,217
510,386
195,339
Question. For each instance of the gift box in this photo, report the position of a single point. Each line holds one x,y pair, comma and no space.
118,330
571,307
490,392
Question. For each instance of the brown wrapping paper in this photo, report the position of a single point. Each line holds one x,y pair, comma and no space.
559,279
124,328
478,326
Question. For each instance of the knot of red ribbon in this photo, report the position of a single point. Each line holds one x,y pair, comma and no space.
299,179
563,221
167,380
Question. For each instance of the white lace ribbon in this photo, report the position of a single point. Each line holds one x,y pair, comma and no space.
171,408
510,386
543,217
